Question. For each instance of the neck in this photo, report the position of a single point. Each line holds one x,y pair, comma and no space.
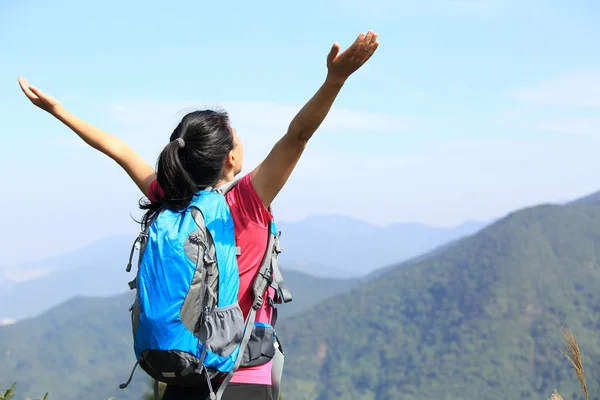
225,179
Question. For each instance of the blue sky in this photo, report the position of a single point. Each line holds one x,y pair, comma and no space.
468,110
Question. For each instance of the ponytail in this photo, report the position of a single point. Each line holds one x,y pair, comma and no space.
193,160
173,177
177,185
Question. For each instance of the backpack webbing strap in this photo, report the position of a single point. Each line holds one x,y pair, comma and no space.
224,188
259,287
199,219
277,370
264,276
279,285
246,338
143,234
156,396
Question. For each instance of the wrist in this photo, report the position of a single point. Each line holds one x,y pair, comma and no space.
332,79
58,111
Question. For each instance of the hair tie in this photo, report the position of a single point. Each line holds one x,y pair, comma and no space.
180,142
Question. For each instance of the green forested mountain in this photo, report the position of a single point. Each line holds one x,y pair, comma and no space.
479,321
82,349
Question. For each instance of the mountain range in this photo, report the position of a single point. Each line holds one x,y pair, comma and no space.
89,339
478,318
99,269
333,240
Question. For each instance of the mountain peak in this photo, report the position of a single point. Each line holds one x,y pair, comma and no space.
592,198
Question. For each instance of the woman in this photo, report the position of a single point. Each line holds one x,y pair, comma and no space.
205,151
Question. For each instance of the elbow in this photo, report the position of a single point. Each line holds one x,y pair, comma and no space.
118,151
300,133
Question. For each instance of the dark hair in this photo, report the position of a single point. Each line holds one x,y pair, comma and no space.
193,160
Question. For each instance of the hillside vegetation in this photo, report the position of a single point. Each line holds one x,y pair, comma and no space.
481,320
85,345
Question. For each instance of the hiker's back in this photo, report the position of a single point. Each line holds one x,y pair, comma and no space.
186,315
194,301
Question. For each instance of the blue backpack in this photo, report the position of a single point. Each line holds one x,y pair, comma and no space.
188,329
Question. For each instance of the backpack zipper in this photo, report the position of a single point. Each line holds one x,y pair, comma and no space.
204,296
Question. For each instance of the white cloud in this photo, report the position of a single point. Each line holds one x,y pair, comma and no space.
7,321
572,126
25,274
147,125
476,179
441,182
263,115
565,105
572,90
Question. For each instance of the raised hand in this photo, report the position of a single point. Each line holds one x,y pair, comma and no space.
39,98
341,65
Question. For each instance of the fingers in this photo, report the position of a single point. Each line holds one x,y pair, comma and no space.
366,39
335,49
370,40
371,45
26,88
363,44
374,37
371,52
359,44
369,37
37,91
360,38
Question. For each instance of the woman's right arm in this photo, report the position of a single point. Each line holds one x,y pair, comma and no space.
136,167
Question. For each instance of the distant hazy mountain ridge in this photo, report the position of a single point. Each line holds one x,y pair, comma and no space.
320,246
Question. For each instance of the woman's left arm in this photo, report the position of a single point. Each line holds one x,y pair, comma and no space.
269,177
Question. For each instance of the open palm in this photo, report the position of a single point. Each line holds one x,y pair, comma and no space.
342,65
37,97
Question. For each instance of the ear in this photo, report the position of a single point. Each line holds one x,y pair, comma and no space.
230,161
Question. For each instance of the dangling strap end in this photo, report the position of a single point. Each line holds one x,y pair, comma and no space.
124,385
156,396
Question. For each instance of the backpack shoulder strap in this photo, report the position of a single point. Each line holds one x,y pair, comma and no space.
283,293
224,188
269,273
140,243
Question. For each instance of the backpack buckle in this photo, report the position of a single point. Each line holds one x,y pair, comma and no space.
133,284
277,248
269,276
208,260
258,302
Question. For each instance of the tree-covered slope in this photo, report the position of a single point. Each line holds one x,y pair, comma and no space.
83,348
479,321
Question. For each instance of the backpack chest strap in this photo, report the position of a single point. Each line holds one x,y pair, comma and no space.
283,294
